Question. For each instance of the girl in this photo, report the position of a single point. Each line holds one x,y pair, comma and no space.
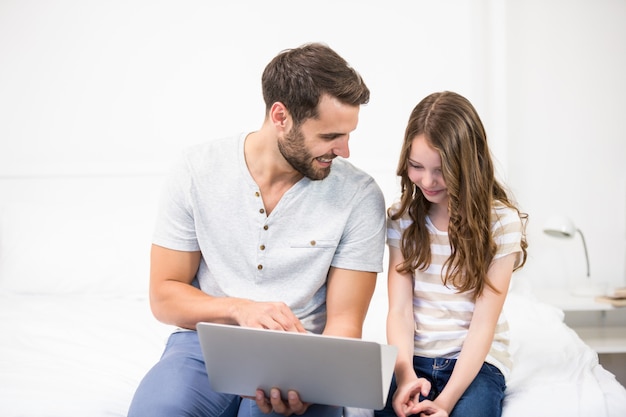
454,239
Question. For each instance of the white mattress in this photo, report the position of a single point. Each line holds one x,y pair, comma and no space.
555,373
64,356
77,355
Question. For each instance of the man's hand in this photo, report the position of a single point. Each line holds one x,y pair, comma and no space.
275,403
267,315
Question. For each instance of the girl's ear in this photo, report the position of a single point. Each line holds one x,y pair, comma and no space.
279,115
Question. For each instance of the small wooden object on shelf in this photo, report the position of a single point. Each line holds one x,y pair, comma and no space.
617,299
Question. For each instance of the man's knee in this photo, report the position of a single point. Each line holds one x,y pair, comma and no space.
167,401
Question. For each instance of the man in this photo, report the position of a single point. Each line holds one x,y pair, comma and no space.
267,230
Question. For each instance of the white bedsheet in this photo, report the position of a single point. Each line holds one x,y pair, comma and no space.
64,356
83,355
555,373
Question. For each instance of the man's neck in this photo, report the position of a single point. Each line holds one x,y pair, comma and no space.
272,173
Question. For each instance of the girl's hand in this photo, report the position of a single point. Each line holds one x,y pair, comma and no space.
429,408
407,396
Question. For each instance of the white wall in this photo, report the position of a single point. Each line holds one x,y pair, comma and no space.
566,102
101,85
121,86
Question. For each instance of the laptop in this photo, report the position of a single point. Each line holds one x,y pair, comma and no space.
323,369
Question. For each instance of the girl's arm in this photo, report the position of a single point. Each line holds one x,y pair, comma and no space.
480,335
400,331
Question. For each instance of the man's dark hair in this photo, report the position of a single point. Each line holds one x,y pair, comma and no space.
299,77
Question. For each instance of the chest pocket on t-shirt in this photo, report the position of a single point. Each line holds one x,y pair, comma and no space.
314,244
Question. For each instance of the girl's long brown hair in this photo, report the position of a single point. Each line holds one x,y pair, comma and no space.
452,126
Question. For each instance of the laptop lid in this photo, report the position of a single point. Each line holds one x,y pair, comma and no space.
323,369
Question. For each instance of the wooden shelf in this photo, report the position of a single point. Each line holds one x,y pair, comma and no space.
567,302
604,339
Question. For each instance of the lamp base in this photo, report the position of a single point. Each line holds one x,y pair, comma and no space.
587,289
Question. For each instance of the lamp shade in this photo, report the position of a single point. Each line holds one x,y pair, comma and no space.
563,227
559,226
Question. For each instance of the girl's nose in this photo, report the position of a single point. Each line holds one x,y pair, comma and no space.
429,179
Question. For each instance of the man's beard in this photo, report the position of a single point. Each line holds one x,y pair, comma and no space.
293,150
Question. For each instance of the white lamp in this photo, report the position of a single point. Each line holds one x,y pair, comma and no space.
562,227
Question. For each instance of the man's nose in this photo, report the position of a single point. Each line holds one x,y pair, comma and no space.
341,147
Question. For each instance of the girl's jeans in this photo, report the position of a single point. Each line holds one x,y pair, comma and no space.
483,398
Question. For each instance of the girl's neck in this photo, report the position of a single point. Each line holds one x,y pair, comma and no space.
439,216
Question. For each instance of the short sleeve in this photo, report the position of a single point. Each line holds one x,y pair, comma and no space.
363,243
507,231
395,227
175,227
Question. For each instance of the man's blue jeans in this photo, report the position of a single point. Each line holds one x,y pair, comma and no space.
483,398
178,385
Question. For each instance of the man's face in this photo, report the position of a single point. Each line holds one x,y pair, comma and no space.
311,147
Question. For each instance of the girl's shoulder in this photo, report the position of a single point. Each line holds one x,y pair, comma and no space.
503,216
400,222
394,208
500,209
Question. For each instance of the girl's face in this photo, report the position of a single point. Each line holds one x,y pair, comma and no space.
424,170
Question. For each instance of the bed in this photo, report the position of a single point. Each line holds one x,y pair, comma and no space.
78,335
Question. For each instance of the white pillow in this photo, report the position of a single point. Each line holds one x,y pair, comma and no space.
544,349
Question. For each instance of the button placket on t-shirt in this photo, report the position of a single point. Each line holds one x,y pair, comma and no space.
261,242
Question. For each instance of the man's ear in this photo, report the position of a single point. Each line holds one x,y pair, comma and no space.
279,115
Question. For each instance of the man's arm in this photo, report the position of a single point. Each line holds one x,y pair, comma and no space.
175,301
347,299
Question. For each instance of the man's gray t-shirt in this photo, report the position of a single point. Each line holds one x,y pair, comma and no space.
212,204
